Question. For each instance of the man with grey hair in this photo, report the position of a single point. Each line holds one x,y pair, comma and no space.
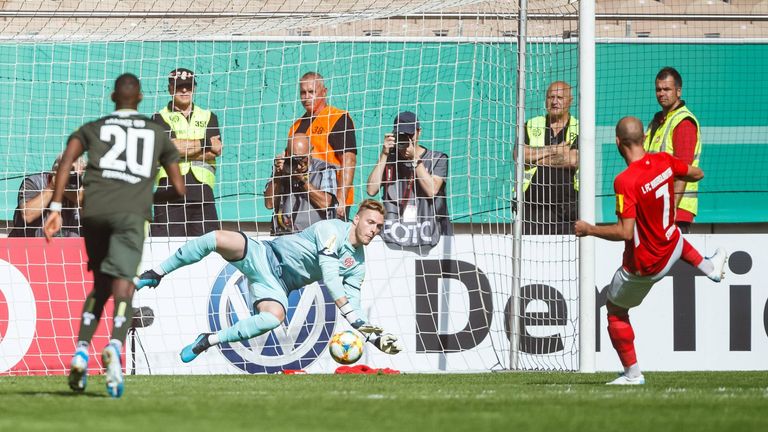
302,189
332,135
551,157
36,192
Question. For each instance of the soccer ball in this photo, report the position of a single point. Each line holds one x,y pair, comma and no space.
346,347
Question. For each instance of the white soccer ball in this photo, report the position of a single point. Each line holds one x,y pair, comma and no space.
346,347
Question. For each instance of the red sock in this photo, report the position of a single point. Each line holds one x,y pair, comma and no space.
623,338
691,255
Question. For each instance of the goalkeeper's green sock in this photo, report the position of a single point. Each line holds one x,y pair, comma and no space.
191,252
246,328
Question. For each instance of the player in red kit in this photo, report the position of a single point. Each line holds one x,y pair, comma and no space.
645,206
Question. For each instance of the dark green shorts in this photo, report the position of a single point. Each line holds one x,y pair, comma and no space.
114,243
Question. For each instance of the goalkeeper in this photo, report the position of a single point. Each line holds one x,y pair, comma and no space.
329,250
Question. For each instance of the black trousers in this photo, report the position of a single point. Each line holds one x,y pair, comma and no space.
192,216
185,220
545,219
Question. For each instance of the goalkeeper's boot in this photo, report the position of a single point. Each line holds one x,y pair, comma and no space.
114,374
148,279
78,371
191,351
719,259
625,380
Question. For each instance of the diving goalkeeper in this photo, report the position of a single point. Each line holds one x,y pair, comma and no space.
329,250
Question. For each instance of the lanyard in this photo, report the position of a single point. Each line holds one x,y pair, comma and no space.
407,194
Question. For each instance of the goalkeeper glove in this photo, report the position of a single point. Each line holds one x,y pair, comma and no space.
349,313
388,343
366,329
149,278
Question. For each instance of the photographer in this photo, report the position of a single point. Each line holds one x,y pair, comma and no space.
302,190
34,196
412,181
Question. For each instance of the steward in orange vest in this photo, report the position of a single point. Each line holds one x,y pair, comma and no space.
331,133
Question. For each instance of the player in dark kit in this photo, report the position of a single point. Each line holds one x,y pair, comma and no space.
645,207
124,149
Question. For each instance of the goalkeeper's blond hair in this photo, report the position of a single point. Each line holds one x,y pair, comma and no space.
371,204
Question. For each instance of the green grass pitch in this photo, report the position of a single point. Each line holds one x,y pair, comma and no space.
526,401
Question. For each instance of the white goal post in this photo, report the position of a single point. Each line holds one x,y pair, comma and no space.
587,94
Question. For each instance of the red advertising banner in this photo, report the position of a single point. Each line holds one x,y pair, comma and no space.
42,289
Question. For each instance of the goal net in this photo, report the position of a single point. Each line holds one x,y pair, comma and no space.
463,301
460,301
452,64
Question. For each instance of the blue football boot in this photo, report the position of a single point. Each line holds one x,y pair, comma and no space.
114,370
78,372
191,351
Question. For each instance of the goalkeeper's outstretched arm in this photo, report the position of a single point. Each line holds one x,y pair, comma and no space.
349,305
385,342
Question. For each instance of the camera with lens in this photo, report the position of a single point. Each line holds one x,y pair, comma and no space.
295,165
404,140
74,181
291,165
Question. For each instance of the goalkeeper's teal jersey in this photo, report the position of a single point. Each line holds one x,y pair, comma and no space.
322,252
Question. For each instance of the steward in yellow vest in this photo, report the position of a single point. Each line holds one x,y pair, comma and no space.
550,183
195,133
675,130
193,128
536,129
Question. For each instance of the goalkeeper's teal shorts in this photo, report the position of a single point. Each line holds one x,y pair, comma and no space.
261,267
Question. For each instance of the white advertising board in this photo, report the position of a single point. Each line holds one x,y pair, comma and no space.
450,308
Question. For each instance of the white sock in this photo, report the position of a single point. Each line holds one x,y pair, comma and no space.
159,270
632,371
213,339
706,266
117,343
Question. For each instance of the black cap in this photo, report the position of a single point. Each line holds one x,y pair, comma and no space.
406,122
181,76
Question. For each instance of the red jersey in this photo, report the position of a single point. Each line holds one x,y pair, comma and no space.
684,139
645,192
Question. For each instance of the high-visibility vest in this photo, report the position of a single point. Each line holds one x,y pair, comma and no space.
537,129
661,141
192,129
318,131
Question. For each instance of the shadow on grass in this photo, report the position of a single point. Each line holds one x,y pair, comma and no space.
578,380
592,382
61,393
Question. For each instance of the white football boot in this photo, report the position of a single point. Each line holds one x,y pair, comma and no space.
719,259
114,370
625,380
